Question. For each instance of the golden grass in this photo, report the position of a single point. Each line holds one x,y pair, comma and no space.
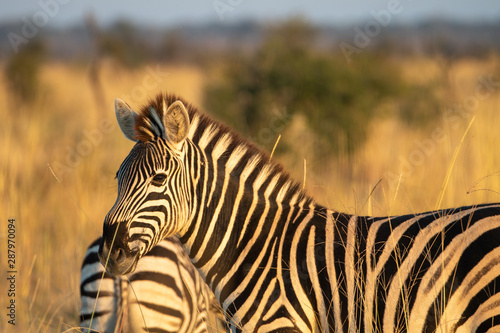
55,222
396,150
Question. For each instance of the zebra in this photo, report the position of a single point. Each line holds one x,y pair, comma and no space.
276,260
164,294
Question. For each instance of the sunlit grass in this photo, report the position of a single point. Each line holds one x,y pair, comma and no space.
395,149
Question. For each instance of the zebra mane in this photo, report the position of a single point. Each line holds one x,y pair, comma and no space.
214,134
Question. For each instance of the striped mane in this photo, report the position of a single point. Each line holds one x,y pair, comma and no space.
148,127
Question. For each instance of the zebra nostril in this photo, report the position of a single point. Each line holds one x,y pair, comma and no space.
119,256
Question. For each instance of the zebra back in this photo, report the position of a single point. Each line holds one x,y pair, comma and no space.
164,294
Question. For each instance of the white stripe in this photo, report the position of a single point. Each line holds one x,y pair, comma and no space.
219,149
350,271
300,293
263,175
193,126
207,136
332,274
249,168
280,322
313,274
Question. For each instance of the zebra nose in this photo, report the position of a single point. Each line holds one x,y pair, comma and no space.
117,258
116,255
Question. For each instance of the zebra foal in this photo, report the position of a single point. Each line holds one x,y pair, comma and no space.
164,294
275,259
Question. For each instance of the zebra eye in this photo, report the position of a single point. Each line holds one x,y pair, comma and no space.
159,179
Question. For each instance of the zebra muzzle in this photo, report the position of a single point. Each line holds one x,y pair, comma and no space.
118,260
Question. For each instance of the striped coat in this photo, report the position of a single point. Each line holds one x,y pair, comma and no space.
164,294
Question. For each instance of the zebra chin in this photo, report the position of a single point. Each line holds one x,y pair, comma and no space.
120,260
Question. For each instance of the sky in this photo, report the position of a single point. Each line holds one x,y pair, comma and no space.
173,13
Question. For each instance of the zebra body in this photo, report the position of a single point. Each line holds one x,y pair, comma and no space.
164,294
278,261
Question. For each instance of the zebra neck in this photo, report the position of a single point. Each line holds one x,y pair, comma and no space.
241,227
239,196
236,196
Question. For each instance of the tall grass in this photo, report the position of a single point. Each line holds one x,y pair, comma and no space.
395,150
56,221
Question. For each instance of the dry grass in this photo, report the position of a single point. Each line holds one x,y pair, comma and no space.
394,149
55,222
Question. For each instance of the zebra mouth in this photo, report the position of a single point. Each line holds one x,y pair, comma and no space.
123,266
118,261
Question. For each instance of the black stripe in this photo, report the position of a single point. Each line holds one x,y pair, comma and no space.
97,314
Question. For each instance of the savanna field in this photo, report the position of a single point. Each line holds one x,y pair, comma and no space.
60,154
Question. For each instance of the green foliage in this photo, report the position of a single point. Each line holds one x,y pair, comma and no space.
419,105
288,72
22,72
122,43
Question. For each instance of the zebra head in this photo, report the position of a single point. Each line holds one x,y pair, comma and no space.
152,201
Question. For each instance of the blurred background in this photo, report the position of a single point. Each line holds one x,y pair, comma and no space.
380,107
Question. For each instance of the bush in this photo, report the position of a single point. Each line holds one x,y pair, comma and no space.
121,43
22,72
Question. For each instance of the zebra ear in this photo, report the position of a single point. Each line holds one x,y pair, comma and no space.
126,118
176,121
